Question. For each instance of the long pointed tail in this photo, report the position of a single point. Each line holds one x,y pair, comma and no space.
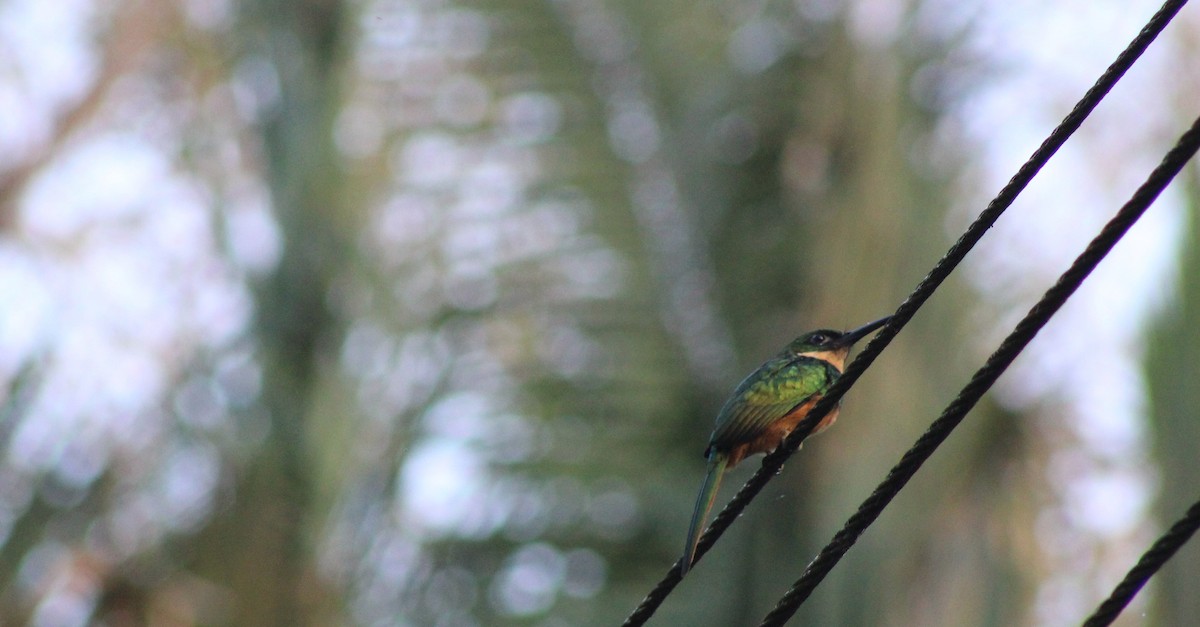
704,503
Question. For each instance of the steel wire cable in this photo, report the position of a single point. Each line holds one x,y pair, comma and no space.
1151,561
773,462
987,375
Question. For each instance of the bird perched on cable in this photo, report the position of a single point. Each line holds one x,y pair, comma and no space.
767,405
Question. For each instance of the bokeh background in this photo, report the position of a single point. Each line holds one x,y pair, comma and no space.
418,312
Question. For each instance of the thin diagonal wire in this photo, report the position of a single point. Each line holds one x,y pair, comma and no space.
1150,563
983,379
774,462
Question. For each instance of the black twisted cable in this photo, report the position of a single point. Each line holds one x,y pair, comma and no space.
774,462
1151,561
987,375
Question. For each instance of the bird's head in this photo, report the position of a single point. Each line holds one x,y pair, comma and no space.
829,345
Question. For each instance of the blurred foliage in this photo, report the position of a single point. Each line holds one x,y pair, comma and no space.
458,290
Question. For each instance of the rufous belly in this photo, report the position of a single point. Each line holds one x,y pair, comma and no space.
774,434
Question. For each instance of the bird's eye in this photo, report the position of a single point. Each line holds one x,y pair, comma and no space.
819,338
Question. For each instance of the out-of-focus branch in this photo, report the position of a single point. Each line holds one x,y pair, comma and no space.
135,27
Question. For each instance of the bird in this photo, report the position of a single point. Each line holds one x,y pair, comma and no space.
767,405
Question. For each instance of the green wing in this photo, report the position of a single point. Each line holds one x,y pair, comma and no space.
773,391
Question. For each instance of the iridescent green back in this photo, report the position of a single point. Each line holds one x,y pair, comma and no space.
769,394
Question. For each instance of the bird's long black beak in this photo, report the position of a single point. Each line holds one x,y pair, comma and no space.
854,335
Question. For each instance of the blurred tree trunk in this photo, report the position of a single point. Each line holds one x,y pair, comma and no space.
939,556
263,548
1172,375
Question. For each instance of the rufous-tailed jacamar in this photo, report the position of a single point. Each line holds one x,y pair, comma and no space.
767,405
